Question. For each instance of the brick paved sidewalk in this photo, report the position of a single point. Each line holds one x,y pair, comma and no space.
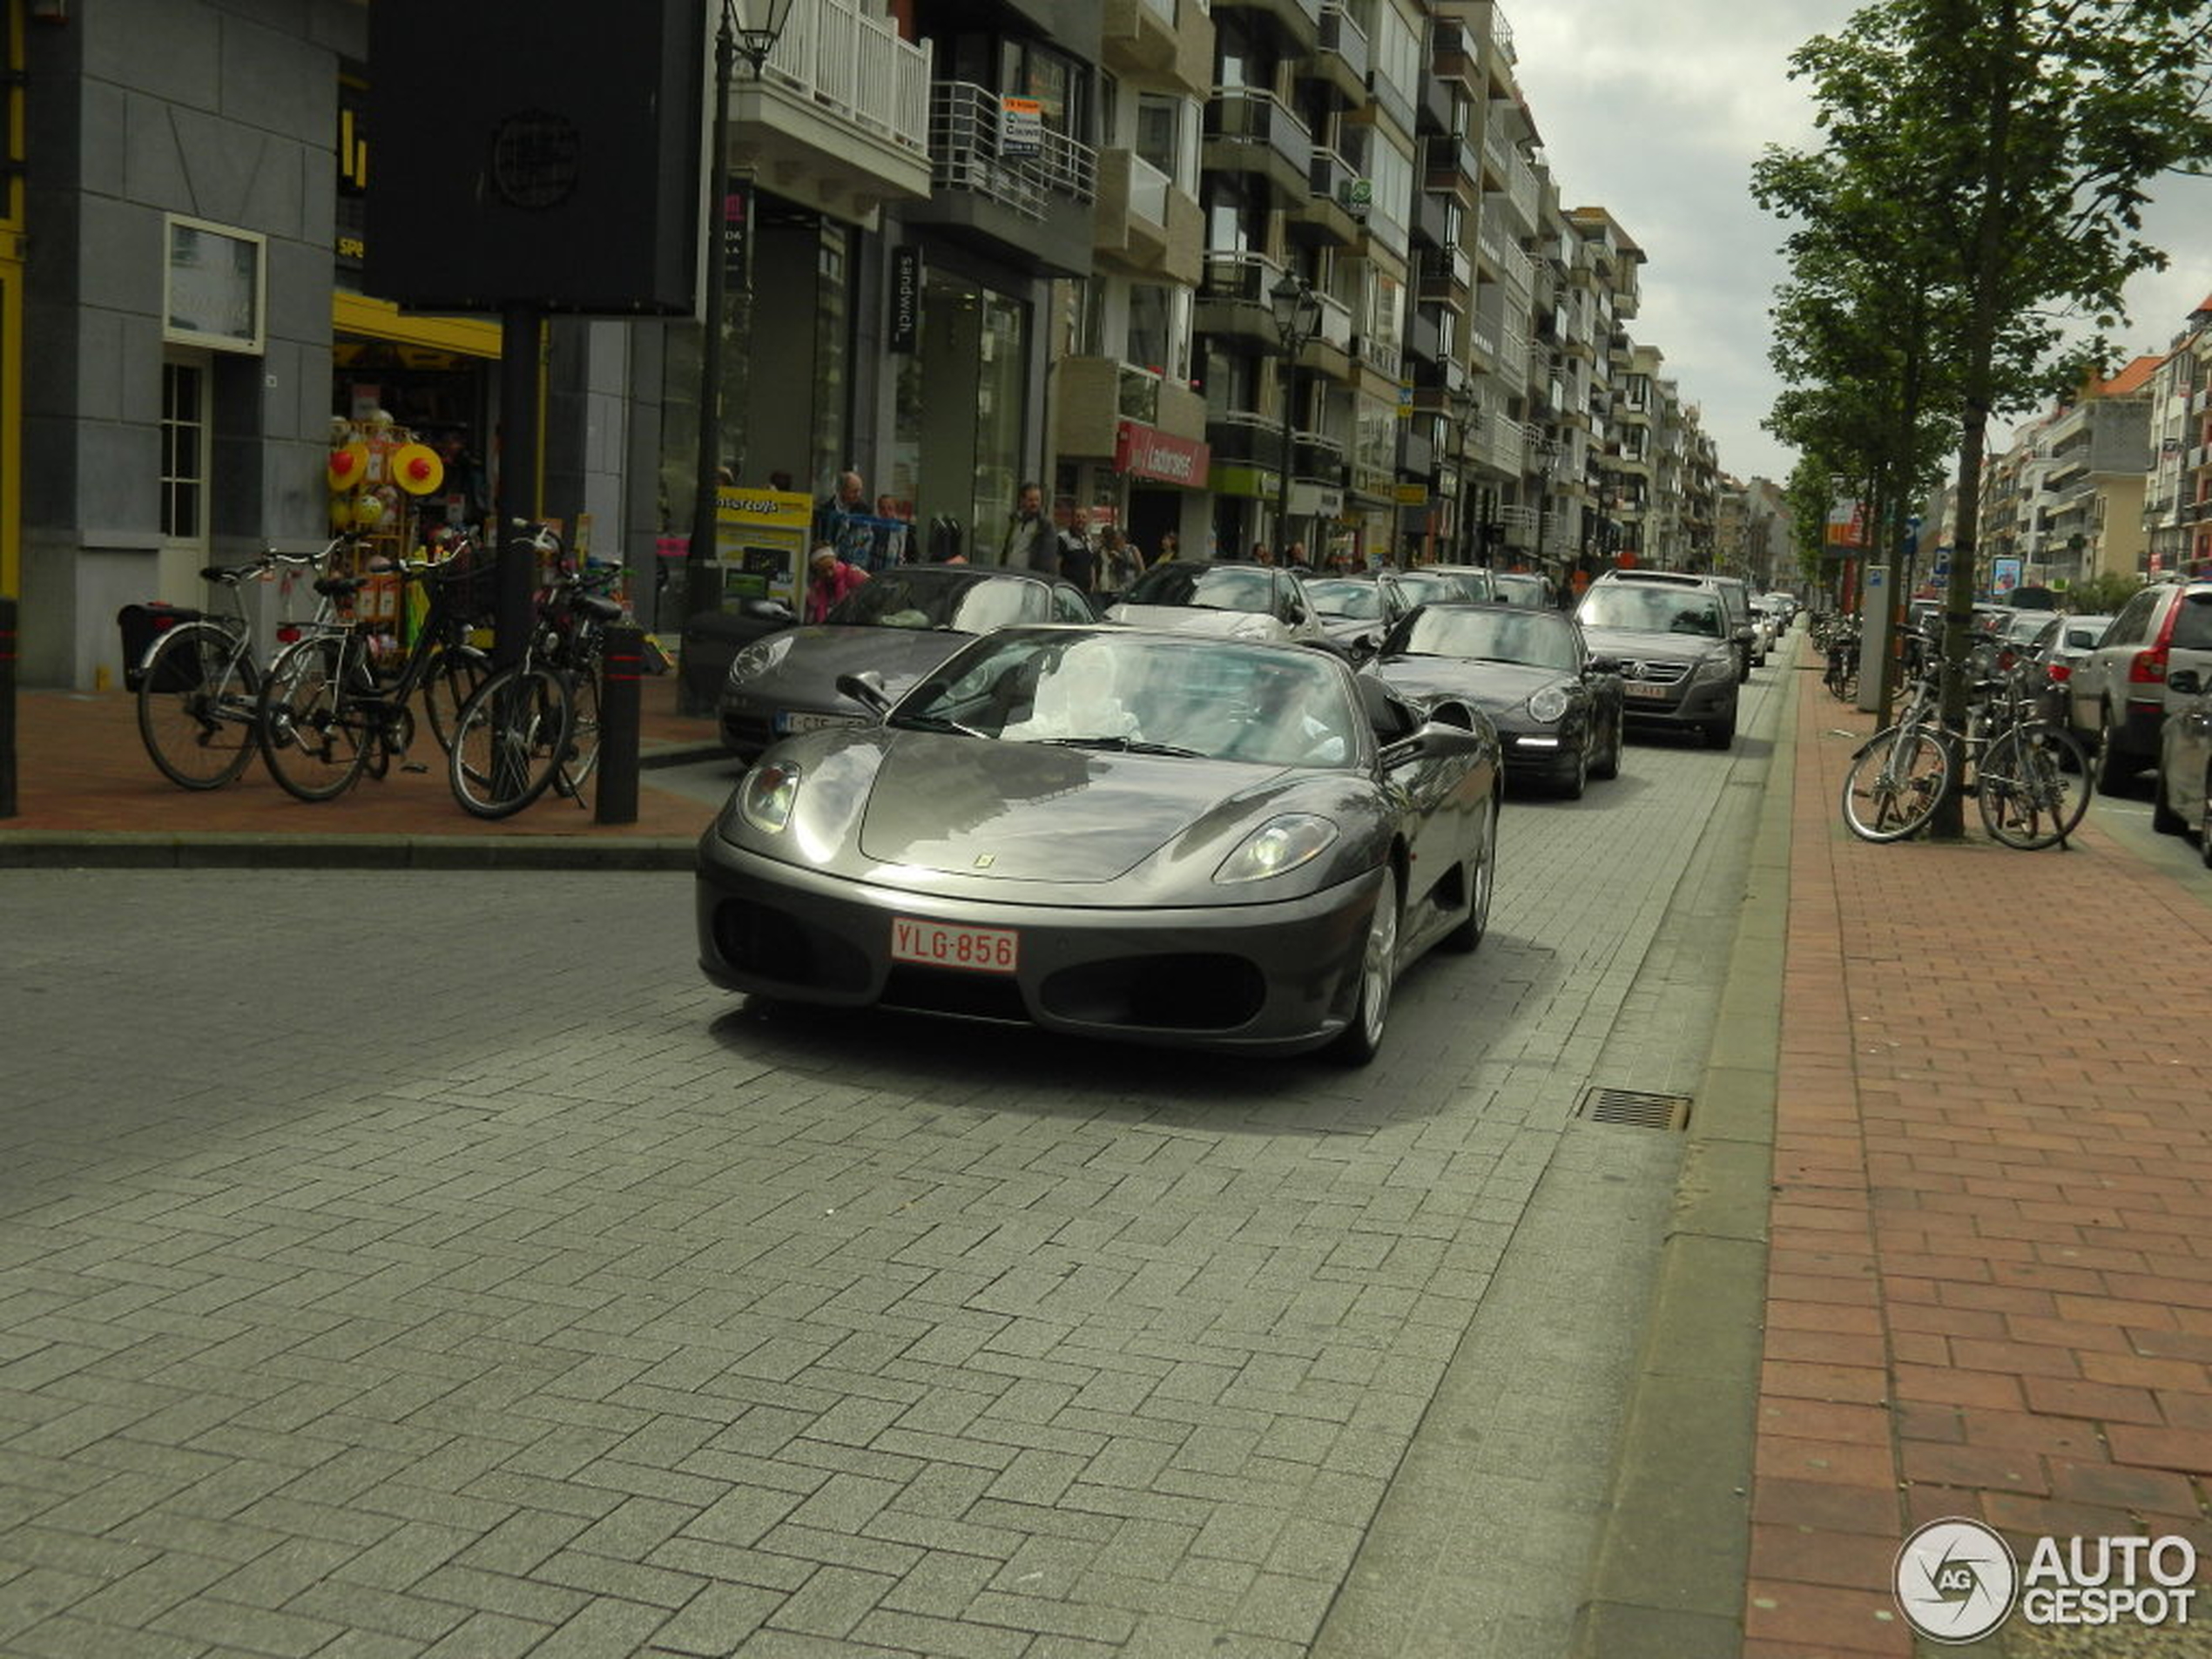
1990,1293
82,770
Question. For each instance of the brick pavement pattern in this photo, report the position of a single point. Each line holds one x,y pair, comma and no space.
1990,1293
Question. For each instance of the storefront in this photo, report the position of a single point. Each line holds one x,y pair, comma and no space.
959,450
1165,480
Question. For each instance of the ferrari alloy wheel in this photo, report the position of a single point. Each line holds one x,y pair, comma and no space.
1362,1039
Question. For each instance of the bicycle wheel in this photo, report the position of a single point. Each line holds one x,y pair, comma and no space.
313,733
198,695
453,676
1895,782
2027,798
509,741
581,754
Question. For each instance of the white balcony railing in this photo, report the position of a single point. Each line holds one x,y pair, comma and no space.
967,152
856,65
1148,191
1336,322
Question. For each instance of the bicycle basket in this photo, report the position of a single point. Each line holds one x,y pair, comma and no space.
467,585
141,625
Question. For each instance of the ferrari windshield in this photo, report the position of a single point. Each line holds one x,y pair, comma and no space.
1147,693
1656,609
1215,587
969,601
1538,638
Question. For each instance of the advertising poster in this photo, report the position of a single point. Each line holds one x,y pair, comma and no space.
760,543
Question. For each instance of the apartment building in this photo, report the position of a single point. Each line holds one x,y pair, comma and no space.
964,244
2177,507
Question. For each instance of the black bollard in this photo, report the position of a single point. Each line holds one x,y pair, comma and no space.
7,707
621,656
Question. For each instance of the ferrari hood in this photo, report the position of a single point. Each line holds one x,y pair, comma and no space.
1036,812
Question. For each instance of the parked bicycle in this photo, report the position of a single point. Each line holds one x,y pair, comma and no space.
1837,638
198,682
2014,765
534,725
328,714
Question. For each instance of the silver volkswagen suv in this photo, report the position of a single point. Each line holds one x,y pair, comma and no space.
1677,644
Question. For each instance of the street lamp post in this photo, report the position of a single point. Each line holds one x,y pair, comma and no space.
730,39
1297,317
1547,448
1463,403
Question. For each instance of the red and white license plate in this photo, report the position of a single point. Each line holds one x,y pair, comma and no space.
987,950
1636,689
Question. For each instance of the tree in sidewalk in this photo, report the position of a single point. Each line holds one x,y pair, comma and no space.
2016,139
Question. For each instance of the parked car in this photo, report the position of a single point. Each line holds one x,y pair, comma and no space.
900,623
1736,594
1113,833
1557,709
1256,602
2117,698
1425,584
1677,650
1527,589
2178,803
712,639
1477,582
2069,643
1358,608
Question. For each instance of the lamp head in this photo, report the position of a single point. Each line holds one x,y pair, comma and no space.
1284,301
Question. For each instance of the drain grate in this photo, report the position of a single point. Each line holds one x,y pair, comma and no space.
1637,1108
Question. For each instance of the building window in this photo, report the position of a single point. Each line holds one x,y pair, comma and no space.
184,449
1167,137
214,285
1159,329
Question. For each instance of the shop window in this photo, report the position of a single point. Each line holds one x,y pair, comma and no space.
184,449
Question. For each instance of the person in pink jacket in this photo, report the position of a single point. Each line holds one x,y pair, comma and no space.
829,579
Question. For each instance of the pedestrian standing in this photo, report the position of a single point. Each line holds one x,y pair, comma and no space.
1119,561
1171,548
1029,543
829,579
1078,557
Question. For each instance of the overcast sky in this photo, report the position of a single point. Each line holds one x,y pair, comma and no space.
1656,113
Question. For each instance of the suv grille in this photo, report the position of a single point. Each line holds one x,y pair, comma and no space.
1654,673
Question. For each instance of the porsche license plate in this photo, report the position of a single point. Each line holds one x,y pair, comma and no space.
1636,688
790,720
987,950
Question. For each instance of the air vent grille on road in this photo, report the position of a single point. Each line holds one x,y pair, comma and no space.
1637,1108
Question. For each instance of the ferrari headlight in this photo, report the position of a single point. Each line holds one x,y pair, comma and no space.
1278,845
766,796
1547,705
758,658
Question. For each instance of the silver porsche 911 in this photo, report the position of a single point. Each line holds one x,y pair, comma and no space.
1113,833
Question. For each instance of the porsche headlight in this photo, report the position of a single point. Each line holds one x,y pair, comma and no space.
766,796
1278,845
1547,706
758,658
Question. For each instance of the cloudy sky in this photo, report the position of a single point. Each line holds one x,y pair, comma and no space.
1657,111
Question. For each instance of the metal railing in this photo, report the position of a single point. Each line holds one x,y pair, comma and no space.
1340,34
966,151
856,65
1255,114
1238,276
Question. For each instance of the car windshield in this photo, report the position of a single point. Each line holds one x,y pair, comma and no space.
1658,610
1472,585
1143,693
1211,587
1361,600
1518,590
966,602
1541,640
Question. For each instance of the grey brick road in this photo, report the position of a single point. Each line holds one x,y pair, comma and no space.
433,1263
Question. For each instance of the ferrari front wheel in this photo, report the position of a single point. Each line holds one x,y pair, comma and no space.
1362,1039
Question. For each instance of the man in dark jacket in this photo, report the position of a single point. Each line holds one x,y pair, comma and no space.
1029,543
1078,558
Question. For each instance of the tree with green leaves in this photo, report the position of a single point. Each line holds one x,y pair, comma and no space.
2015,140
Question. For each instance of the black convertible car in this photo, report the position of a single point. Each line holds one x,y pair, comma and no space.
1113,833
1556,708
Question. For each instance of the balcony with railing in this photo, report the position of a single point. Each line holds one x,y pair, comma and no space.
1233,299
1298,22
1450,161
1379,353
841,107
1024,191
1241,434
1325,218
1342,57
1447,276
1096,394
1317,457
1248,131
1144,224
1159,40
